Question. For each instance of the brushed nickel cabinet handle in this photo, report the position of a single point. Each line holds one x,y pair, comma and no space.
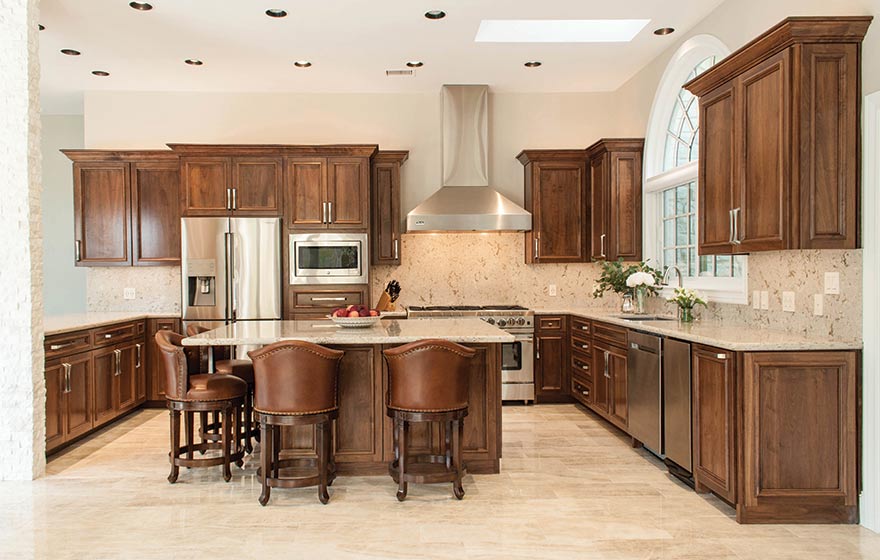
536,247
538,348
329,212
721,356
323,212
730,227
606,366
735,214
235,199
67,368
602,245
60,346
118,356
77,250
108,336
585,346
228,198
396,249
138,353
328,299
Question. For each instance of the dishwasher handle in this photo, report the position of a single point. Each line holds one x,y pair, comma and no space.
641,348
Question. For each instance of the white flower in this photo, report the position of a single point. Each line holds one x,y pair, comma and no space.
640,279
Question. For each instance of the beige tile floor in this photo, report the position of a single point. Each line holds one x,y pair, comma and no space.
570,488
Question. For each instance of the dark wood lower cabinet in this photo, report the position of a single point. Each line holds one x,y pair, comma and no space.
552,372
609,372
362,433
68,399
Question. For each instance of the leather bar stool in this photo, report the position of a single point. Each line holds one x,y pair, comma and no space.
243,369
223,394
296,385
428,382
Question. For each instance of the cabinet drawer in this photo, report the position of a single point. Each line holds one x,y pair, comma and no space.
331,300
115,333
582,390
550,323
67,343
610,334
580,326
583,345
580,364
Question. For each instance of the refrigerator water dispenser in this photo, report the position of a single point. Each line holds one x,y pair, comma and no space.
201,285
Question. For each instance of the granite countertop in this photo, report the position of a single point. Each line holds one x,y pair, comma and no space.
386,331
736,337
57,324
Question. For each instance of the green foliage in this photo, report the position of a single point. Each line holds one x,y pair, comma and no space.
615,273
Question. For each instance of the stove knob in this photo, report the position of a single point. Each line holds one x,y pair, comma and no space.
502,323
520,321
490,320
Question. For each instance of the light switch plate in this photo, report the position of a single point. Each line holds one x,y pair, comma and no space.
788,301
818,304
129,293
756,299
832,283
765,299
551,289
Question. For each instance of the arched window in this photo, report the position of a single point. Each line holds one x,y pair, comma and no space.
671,168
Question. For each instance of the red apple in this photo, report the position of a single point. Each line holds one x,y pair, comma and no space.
349,308
354,313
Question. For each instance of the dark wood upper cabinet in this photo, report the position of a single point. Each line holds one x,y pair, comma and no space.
205,186
126,207
779,136
256,186
102,214
385,206
305,185
227,185
615,182
348,193
155,213
556,195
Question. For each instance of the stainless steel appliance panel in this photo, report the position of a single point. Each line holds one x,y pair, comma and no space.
328,258
644,390
677,435
204,274
255,269
518,383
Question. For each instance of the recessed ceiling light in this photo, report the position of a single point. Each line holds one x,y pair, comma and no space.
302,64
435,14
100,73
559,30
532,64
142,6
275,13
70,52
664,31
415,63
41,27
193,61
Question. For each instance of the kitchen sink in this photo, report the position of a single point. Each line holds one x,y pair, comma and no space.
645,317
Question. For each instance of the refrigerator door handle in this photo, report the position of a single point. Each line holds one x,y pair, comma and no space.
228,241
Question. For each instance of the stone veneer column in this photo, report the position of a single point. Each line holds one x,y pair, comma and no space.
22,387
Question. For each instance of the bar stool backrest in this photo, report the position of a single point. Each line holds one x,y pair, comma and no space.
295,378
174,360
428,376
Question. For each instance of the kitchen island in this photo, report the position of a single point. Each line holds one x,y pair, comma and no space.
362,433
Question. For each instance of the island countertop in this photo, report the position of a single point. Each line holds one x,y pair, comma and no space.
386,331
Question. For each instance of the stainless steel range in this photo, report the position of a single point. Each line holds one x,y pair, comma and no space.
517,357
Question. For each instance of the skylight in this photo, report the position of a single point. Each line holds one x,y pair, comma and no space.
559,30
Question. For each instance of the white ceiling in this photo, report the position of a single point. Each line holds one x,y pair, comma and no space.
350,43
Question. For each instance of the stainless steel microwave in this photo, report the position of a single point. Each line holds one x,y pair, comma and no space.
328,258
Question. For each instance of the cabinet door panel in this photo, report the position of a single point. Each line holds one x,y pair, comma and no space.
717,170
763,189
104,365
205,185
155,213
598,207
551,366
356,438
257,184
126,380
305,189
78,405
626,206
560,204
101,213
386,213
348,181
714,421
55,386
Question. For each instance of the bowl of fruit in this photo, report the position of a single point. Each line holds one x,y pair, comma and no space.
355,316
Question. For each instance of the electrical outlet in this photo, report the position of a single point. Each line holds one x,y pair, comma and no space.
788,301
756,299
551,289
832,283
128,293
818,304
765,299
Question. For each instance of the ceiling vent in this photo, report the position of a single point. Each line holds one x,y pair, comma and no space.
407,72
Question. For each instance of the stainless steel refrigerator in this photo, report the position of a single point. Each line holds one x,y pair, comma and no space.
231,269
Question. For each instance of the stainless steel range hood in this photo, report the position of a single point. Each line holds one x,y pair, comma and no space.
465,202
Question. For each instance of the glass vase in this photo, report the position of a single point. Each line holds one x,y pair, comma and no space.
641,296
626,305
686,314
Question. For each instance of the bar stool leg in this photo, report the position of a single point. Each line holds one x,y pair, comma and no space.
175,445
203,422
401,462
457,433
447,451
323,441
276,451
188,418
247,422
226,429
236,442
265,460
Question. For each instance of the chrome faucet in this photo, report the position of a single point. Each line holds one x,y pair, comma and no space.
666,272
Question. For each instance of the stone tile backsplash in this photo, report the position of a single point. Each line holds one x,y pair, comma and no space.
482,268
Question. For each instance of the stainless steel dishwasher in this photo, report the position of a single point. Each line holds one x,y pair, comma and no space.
677,436
644,391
